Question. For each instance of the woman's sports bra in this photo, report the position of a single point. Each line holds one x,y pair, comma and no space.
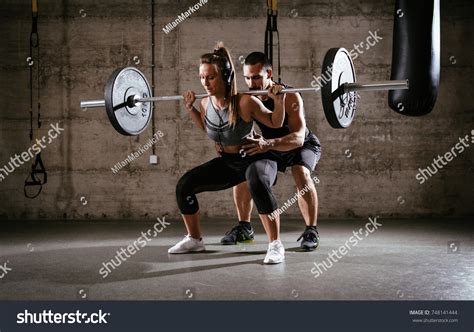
219,130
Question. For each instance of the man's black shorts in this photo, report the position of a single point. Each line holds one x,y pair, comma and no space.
308,155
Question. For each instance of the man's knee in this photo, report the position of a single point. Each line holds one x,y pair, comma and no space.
302,175
241,191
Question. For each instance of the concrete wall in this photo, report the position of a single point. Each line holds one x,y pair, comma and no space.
368,169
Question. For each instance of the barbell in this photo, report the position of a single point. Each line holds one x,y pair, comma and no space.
128,98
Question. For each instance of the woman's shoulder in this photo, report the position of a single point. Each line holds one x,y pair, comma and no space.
204,102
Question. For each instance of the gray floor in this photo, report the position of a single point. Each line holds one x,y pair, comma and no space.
402,260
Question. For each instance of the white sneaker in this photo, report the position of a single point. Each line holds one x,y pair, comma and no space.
275,253
188,244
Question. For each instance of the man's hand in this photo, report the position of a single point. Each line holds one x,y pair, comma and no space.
257,144
274,92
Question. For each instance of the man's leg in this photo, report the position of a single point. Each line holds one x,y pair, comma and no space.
242,232
308,202
243,201
303,163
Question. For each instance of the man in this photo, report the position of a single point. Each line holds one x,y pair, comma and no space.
293,145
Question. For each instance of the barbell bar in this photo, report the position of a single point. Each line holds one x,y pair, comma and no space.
128,99
347,87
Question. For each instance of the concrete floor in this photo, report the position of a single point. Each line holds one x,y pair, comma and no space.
402,260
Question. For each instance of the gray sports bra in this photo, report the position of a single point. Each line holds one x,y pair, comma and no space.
219,130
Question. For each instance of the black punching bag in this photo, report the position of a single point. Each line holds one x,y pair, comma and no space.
416,56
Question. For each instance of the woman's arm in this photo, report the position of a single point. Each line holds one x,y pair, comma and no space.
196,116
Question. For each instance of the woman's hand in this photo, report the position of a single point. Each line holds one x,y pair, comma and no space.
219,148
189,99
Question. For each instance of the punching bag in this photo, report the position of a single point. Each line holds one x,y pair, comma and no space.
416,56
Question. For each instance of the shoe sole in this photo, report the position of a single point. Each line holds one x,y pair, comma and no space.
305,248
187,251
273,262
235,243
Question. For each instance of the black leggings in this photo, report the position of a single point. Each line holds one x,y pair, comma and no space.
225,172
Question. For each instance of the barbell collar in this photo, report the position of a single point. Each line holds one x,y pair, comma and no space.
92,103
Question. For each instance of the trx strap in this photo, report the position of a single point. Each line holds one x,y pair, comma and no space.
272,27
153,70
33,180
34,45
38,166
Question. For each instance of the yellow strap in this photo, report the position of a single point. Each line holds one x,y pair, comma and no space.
272,4
34,6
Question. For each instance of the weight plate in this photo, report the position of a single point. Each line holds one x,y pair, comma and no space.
339,107
125,82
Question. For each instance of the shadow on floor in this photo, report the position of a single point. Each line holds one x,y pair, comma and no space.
83,265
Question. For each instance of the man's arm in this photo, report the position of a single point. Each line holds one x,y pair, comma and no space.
296,123
260,113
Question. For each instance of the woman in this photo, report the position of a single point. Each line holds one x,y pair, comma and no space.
227,117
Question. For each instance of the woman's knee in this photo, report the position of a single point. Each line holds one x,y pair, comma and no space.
256,175
187,201
183,185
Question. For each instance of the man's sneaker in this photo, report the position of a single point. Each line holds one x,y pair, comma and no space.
275,253
310,239
238,234
188,244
